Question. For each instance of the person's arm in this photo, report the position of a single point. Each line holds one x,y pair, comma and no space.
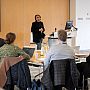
22,53
32,27
43,27
48,58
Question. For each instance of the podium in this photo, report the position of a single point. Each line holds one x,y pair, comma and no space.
71,40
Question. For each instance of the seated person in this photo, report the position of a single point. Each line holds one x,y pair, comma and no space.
2,42
84,70
9,49
59,51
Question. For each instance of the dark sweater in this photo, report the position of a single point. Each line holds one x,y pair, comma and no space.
37,35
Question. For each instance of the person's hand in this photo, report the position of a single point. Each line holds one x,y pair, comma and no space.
41,29
21,57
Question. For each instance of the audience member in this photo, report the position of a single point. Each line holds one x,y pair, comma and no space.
60,67
38,29
61,50
9,49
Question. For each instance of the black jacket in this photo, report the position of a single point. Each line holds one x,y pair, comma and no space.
19,75
37,35
61,72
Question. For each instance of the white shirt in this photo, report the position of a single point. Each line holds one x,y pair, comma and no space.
57,52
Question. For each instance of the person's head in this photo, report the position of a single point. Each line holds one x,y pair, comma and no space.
2,42
10,38
62,35
37,18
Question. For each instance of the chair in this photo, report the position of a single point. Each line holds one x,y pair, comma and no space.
84,69
86,73
63,73
16,72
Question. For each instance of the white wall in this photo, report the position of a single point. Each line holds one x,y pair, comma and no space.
83,23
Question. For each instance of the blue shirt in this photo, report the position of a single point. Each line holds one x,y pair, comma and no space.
57,52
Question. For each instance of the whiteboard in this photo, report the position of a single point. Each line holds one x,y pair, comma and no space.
83,24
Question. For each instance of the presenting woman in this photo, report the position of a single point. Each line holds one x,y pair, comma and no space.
38,29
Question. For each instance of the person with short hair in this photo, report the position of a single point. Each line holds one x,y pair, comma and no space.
59,51
9,49
38,29
56,72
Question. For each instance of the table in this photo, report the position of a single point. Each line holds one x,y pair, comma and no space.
81,56
38,58
82,59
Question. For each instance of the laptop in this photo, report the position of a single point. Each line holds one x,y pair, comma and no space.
29,51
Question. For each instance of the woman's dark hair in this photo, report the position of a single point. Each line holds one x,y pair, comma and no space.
36,16
10,38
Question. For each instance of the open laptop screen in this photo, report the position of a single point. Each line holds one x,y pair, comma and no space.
29,51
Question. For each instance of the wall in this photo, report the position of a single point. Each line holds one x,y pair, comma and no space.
17,16
12,19
73,11
83,23
80,14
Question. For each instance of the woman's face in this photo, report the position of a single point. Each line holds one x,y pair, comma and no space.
38,18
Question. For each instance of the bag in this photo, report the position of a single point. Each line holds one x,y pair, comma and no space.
43,35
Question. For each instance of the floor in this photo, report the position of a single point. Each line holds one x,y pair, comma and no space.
35,71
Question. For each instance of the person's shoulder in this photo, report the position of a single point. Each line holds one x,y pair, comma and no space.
5,46
41,22
16,47
33,22
10,46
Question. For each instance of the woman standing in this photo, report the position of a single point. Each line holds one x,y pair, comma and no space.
38,29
